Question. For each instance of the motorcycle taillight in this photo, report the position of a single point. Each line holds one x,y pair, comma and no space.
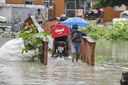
61,43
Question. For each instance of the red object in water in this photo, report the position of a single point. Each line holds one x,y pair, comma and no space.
60,30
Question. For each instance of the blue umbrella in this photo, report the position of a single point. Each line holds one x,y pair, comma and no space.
75,20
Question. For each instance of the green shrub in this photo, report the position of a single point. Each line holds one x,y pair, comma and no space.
110,32
32,39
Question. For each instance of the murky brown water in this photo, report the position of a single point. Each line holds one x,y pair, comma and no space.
64,72
116,52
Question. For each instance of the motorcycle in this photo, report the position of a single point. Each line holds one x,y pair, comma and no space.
60,32
62,49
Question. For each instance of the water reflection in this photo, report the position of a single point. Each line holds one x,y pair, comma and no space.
116,51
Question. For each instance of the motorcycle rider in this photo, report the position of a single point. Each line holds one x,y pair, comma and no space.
62,38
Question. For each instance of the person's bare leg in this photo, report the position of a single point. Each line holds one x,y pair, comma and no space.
53,51
77,57
73,57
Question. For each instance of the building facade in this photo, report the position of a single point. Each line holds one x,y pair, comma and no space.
69,7
110,13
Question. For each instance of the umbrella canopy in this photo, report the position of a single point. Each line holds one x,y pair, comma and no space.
3,19
75,20
60,30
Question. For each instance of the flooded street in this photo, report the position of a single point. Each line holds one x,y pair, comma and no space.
64,72
3,40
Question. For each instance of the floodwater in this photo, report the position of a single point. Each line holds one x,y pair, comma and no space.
3,40
64,72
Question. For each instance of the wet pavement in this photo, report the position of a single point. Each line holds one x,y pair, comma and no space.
63,71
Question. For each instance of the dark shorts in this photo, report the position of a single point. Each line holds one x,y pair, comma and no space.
75,47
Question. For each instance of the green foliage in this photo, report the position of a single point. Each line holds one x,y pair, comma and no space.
115,31
103,3
32,39
120,31
27,32
100,4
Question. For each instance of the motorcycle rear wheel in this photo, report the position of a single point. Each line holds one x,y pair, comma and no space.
60,54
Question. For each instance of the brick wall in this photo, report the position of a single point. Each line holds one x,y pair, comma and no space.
110,13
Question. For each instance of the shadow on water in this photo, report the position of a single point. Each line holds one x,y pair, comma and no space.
107,71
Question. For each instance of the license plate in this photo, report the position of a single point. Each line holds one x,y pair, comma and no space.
60,48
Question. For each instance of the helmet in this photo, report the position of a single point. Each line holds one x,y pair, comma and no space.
74,26
63,17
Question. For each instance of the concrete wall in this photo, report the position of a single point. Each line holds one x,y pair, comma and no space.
110,13
49,24
21,12
6,12
58,10
36,2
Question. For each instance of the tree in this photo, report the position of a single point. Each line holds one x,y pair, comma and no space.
103,3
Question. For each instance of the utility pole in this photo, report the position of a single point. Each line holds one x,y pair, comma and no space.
85,7
50,9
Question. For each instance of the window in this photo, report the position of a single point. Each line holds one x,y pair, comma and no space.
70,8
47,3
71,5
70,13
29,1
